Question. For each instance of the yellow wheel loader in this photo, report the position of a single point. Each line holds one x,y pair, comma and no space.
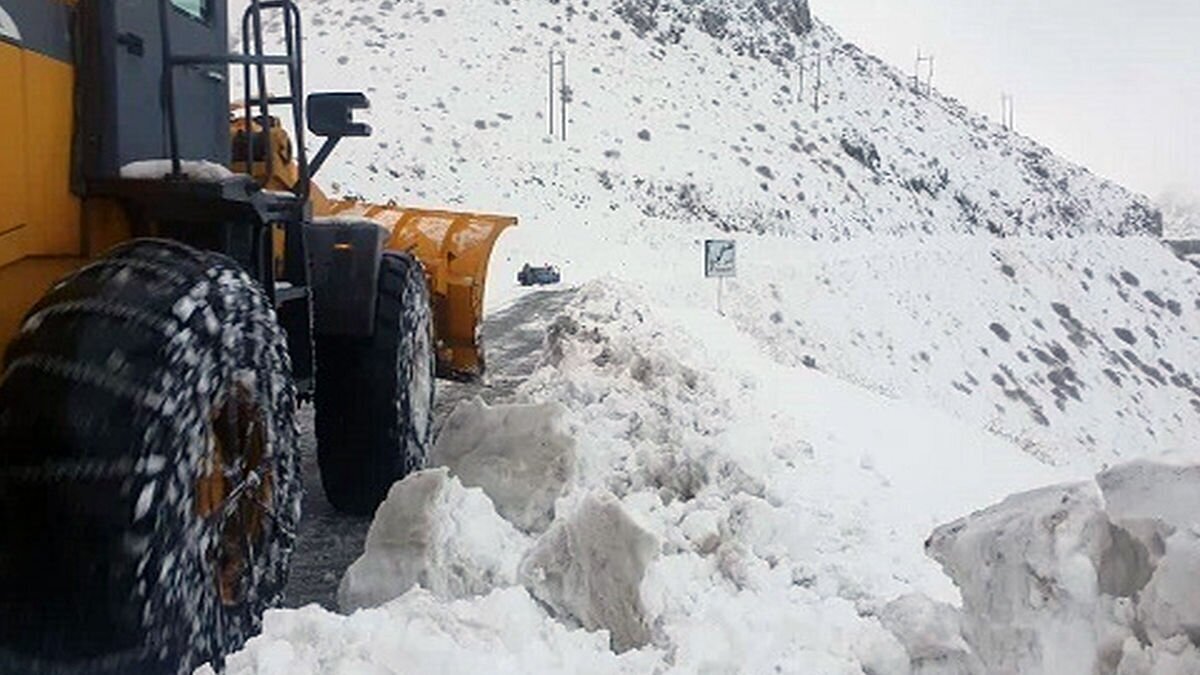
172,285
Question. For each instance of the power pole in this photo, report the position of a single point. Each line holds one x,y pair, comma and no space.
563,96
917,73
804,61
1006,112
550,99
800,89
817,88
558,62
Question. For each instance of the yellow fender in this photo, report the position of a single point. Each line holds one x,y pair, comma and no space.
455,248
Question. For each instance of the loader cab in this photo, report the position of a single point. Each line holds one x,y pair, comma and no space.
124,120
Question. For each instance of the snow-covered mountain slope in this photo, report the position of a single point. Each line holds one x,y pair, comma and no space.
1082,350
1181,214
676,122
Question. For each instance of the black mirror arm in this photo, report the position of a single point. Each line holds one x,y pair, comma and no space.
323,154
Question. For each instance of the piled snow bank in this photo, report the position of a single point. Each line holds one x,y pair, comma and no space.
1028,569
432,532
1088,577
518,454
727,514
504,632
932,634
590,567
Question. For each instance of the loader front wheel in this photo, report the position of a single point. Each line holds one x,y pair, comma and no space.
149,482
374,395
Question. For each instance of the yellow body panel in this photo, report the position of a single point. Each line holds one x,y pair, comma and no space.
14,197
50,117
40,233
24,283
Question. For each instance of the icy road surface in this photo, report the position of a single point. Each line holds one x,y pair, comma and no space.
329,541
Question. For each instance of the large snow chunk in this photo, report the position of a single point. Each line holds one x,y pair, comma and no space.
432,532
932,633
1170,604
1027,569
1165,487
504,633
1154,497
1062,580
590,567
1157,501
518,454
1177,656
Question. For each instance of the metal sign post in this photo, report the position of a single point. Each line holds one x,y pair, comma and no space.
720,262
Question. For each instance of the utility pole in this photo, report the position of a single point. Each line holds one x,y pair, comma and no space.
804,61
550,98
558,61
817,88
921,59
800,89
1006,112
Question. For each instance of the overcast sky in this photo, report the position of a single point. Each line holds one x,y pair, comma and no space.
1111,84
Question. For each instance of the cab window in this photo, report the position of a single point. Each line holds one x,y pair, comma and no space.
197,9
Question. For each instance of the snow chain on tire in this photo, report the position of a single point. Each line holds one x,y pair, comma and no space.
149,477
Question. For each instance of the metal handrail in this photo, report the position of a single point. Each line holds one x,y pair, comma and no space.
254,62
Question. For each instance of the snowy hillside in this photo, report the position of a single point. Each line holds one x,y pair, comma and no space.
930,313
671,121
1181,214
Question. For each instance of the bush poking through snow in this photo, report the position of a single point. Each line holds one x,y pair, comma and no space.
590,567
434,533
518,454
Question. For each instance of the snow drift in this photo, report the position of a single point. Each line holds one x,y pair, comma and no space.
504,632
729,545
434,533
519,455
1094,577
590,568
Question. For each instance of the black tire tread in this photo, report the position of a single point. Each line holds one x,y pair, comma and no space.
103,399
365,435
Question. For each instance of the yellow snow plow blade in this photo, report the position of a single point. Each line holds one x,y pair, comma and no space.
454,247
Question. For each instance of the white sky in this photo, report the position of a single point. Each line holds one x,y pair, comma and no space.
1111,84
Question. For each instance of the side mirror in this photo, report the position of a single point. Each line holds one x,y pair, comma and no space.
331,115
